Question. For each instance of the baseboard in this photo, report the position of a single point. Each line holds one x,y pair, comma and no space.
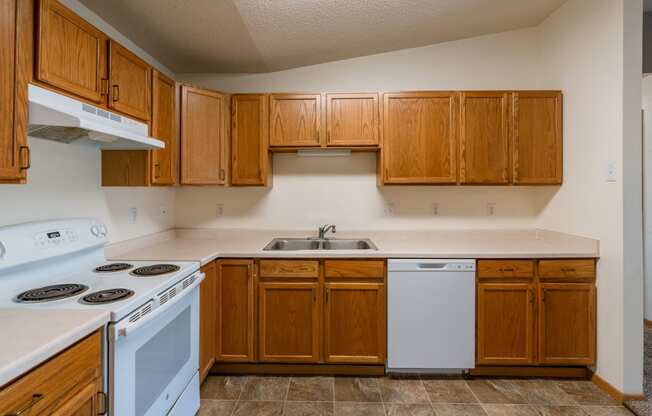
616,394
531,371
298,369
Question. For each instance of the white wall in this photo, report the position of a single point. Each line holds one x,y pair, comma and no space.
64,180
311,191
647,165
592,52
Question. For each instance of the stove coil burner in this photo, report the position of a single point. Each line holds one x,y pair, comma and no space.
107,296
155,270
50,293
113,267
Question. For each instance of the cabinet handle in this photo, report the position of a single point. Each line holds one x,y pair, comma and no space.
328,292
507,269
116,93
530,295
23,410
222,174
28,157
157,170
104,86
104,400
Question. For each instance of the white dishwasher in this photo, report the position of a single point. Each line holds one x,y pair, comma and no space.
430,315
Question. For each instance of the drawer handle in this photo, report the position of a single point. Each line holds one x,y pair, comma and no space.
23,410
507,269
569,269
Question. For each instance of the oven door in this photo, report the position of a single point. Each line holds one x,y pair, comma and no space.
153,359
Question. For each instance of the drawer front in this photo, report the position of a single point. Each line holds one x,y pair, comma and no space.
289,268
505,268
355,268
47,385
567,269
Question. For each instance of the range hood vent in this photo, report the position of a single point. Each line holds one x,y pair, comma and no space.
54,116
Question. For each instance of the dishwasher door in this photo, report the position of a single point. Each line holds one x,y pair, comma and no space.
431,315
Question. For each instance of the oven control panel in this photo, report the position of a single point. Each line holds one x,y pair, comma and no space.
55,237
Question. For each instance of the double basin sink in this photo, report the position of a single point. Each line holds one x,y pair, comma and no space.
296,244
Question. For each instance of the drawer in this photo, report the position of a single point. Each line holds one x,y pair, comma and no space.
505,268
48,385
567,269
355,268
289,268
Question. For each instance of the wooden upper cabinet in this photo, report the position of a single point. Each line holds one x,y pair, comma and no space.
164,128
295,120
420,137
289,322
9,146
352,119
235,310
130,82
567,324
72,53
203,137
505,327
537,137
484,138
207,320
249,140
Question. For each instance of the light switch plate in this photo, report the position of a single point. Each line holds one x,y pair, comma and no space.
611,174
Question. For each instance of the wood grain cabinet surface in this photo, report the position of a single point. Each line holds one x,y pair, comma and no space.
203,137
72,53
295,120
352,119
69,384
164,162
208,305
420,137
250,162
130,82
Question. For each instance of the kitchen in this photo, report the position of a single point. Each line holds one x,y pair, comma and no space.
255,157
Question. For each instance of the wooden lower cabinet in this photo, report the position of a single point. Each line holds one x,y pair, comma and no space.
567,332
289,322
69,384
355,323
207,321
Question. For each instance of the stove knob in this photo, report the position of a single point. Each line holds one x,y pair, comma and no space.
95,230
103,230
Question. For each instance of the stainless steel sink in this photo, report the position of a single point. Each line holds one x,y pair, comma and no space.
296,244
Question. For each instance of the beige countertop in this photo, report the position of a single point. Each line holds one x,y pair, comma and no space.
205,245
34,335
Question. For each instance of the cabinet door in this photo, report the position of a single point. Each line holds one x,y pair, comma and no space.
85,402
288,322
130,80
352,119
567,323
420,137
484,138
295,120
537,137
164,128
207,321
235,310
71,53
202,137
505,326
249,140
355,323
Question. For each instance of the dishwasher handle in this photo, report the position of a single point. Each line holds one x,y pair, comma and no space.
431,265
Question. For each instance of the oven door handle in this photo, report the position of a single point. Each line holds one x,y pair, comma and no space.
124,331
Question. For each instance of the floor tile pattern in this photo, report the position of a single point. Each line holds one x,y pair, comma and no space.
382,396
644,407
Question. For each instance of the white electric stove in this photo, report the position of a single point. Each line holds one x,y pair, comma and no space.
152,341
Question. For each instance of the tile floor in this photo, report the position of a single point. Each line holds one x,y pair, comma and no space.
351,396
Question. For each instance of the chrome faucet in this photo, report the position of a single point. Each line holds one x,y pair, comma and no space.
326,228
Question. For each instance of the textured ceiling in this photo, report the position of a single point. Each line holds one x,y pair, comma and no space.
270,35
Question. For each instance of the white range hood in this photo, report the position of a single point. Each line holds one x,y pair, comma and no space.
54,116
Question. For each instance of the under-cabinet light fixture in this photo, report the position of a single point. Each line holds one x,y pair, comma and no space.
323,152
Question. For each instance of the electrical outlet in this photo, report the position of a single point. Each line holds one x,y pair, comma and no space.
611,171
389,209
164,210
435,208
219,209
491,208
133,214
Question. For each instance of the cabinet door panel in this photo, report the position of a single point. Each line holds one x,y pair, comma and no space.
202,137
249,147
130,81
164,128
9,148
83,403
537,137
420,138
289,322
207,321
567,324
505,324
484,138
355,323
352,119
295,120
71,52
235,310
